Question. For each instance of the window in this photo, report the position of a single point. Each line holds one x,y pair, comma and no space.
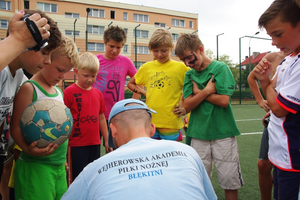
112,14
126,30
125,16
47,7
125,48
95,46
69,32
5,5
175,36
178,22
97,13
26,4
96,29
139,64
4,24
141,33
140,18
157,24
141,49
173,52
191,24
72,15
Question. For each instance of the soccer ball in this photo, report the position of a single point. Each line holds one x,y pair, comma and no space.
46,121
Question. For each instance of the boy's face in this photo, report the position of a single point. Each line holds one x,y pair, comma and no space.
162,54
112,49
57,70
86,78
284,36
193,59
33,62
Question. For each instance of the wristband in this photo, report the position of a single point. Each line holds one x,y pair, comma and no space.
184,111
35,34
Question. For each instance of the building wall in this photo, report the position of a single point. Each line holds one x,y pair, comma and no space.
79,7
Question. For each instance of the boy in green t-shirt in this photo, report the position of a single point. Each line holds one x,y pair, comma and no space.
207,89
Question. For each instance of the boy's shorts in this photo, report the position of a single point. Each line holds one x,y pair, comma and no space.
224,154
168,134
37,181
264,145
286,184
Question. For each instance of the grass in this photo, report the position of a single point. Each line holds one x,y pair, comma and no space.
248,118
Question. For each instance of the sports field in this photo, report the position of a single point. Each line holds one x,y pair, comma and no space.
248,119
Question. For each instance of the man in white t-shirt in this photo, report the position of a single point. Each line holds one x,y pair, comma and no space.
141,167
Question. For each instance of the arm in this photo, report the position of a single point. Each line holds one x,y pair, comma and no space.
255,90
104,131
137,95
262,73
218,100
23,99
20,37
135,88
192,101
271,93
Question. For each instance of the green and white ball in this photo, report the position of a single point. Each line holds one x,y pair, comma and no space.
46,121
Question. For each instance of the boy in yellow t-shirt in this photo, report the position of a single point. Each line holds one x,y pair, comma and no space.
163,79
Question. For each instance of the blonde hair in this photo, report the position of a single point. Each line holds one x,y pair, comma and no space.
161,37
69,49
88,61
187,42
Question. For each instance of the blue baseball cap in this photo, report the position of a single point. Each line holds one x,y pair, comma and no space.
119,107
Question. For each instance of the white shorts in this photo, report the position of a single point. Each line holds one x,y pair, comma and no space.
224,154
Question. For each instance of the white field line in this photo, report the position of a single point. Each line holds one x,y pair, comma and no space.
253,133
242,120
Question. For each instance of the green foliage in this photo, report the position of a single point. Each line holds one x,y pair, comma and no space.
210,54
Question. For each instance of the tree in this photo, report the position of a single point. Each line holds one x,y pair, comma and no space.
210,54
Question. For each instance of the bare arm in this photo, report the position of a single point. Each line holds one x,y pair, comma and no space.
104,131
192,101
271,93
20,37
135,88
255,90
137,95
218,100
23,99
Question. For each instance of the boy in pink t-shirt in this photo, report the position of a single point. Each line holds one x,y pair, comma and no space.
113,68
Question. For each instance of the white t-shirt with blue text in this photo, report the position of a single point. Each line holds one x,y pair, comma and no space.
144,168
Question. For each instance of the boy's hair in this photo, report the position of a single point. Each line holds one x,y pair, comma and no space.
161,37
88,61
67,48
55,35
187,42
115,33
288,10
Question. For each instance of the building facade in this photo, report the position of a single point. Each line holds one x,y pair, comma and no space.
86,20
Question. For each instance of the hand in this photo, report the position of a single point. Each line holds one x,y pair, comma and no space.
107,148
36,151
66,166
20,32
263,70
196,89
179,111
211,86
264,105
263,119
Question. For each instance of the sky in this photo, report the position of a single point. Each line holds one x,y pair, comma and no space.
234,18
